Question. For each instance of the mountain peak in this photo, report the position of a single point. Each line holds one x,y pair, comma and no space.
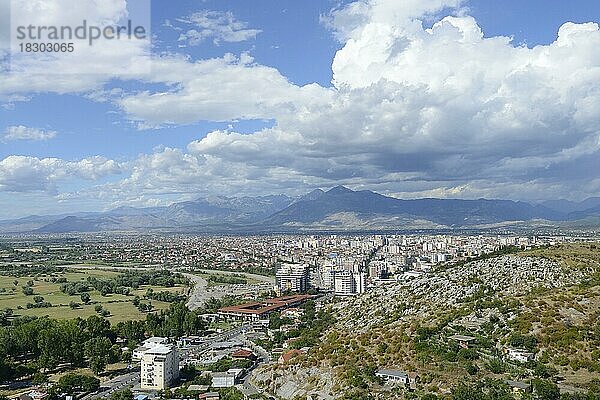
339,190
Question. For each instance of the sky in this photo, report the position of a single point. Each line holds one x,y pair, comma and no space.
410,98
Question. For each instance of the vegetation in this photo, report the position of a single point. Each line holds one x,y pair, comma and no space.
32,345
69,293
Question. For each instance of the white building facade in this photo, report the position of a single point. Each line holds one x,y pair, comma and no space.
159,367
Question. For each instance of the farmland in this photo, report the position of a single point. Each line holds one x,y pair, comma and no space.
61,305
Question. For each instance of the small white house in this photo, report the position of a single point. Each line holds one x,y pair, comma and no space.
520,355
223,379
393,376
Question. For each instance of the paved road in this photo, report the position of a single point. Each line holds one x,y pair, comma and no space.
263,358
114,385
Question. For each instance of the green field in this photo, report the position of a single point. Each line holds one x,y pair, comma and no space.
120,306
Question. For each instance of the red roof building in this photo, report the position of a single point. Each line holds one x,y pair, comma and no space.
288,355
243,354
262,310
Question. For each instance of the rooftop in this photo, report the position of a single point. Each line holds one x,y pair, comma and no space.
392,372
159,349
518,385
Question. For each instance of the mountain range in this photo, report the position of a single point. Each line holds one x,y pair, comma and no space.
336,209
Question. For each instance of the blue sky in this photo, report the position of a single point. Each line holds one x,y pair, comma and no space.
302,63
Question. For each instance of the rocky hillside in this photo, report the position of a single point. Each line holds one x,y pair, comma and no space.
544,302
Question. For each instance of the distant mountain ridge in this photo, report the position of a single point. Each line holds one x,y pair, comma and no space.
444,212
570,207
339,208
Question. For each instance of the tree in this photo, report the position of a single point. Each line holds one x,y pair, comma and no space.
97,326
27,291
133,331
85,297
51,345
6,370
98,351
39,378
71,383
545,390
231,393
464,392
125,394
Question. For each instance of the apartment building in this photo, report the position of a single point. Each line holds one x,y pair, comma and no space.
347,283
159,366
292,277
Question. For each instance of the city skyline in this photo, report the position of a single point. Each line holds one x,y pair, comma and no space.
444,98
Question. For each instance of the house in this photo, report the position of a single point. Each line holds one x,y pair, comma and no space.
243,354
413,378
236,372
288,355
197,388
519,388
223,379
293,313
393,376
464,341
520,355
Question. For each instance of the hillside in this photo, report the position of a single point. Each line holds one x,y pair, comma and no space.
544,301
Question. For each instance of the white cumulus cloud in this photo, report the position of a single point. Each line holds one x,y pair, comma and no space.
31,174
20,132
218,26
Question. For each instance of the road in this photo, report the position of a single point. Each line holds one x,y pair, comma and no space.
263,358
114,385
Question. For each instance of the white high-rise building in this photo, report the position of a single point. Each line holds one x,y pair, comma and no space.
292,277
343,283
360,282
159,366
346,283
